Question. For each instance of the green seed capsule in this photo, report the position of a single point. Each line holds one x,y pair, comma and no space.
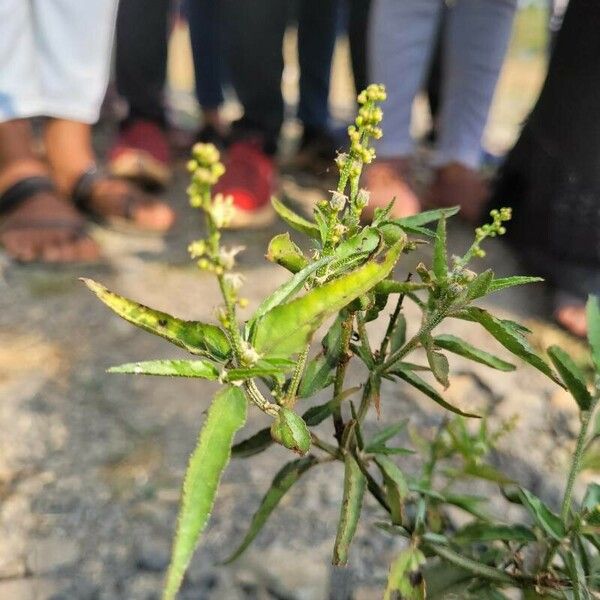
290,430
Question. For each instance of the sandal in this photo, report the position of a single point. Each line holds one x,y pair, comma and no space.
120,208
69,230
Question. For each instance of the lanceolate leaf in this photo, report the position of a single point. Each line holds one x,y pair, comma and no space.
289,288
428,216
593,323
506,282
282,482
424,387
255,444
572,376
395,486
439,366
294,220
480,285
457,346
354,489
440,260
197,338
170,368
543,516
226,415
511,337
387,433
488,532
286,329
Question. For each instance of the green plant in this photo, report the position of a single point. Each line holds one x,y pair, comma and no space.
266,363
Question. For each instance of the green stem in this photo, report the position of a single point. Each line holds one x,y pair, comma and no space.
290,396
340,375
364,336
576,464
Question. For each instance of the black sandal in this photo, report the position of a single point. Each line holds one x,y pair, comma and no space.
83,194
21,192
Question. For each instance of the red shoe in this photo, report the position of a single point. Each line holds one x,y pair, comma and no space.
250,179
141,153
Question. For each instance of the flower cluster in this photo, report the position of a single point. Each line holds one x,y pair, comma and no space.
492,229
205,168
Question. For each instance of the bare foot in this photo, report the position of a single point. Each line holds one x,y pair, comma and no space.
46,228
116,199
572,318
457,185
389,179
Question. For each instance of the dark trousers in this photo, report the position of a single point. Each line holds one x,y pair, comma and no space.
255,32
141,54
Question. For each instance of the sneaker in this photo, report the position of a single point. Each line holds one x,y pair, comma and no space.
142,154
250,179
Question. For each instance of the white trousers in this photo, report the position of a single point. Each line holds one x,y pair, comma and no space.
402,38
55,57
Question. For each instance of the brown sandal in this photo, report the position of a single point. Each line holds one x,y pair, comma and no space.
20,193
131,199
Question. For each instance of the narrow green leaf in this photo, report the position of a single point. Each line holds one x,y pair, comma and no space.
480,285
387,433
439,366
255,444
287,328
542,515
260,369
440,260
487,472
226,415
294,220
489,532
424,387
593,323
366,241
395,486
391,286
317,376
576,575
282,482
317,414
427,216
511,337
290,288
170,368
506,282
354,489
473,566
196,337
285,253
457,346
591,500
398,337
572,376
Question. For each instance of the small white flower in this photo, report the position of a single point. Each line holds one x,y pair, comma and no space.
227,256
222,210
234,280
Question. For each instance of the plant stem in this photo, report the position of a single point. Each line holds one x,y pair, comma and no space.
576,463
290,396
340,375
364,336
392,323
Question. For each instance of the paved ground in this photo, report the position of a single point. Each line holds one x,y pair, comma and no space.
91,464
